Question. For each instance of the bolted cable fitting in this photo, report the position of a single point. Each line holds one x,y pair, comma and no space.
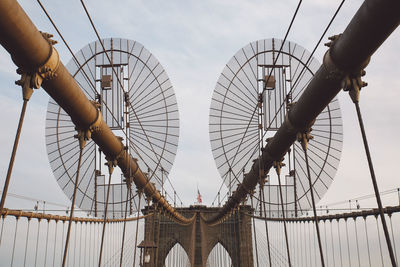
48,37
110,164
33,78
353,84
304,138
82,137
26,83
86,134
278,166
332,40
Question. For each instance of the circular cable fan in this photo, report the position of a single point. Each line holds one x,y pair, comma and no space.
249,104
137,102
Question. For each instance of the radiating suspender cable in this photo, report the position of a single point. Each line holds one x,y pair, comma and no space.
110,165
15,239
47,242
159,217
333,245
128,189
326,243
62,240
348,243
379,238
266,224
278,171
37,240
366,237
2,227
304,142
394,240
55,243
26,242
81,139
358,249
137,228
27,92
340,243
74,253
254,231
355,99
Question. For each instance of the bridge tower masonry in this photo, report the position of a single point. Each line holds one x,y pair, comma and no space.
198,239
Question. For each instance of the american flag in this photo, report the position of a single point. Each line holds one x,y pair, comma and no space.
199,200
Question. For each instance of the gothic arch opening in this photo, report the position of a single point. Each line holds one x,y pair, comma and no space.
219,257
177,257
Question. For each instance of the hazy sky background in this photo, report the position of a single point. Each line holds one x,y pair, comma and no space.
193,40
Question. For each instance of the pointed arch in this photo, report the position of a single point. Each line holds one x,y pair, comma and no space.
219,256
177,256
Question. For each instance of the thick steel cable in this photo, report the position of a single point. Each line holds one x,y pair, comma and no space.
15,239
318,43
137,228
12,158
311,55
266,224
75,231
340,243
379,238
375,184
326,243
158,234
77,62
313,206
348,243
47,242
55,243
357,245
72,206
316,46
37,241
2,226
80,245
283,42
120,83
90,246
123,231
26,241
62,240
394,240
105,217
254,111
284,219
74,57
366,237
333,245
309,240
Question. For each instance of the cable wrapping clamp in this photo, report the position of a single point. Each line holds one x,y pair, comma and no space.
32,79
86,133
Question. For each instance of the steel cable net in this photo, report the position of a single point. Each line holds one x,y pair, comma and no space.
138,103
249,103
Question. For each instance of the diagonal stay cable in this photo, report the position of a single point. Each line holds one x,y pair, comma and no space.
120,83
84,72
78,64
276,59
308,60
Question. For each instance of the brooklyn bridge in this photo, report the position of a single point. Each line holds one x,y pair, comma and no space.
295,189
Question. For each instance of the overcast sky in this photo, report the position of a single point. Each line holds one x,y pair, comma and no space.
193,40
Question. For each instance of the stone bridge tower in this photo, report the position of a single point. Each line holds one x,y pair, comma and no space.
198,238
